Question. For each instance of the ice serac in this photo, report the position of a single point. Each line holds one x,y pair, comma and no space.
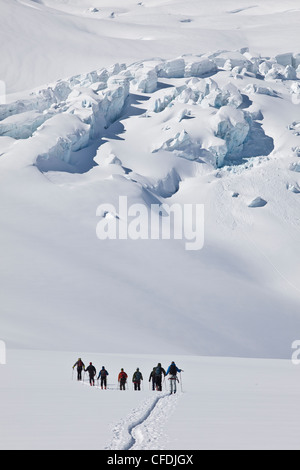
199,67
294,188
229,95
284,59
279,72
145,80
113,99
290,73
172,68
295,88
230,59
207,93
253,88
74,137
230,125
181,141
161,102
295,167
204,104
187,66
296,60
65,116
23,125
258,202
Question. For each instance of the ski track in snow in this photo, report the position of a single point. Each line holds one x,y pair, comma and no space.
143,427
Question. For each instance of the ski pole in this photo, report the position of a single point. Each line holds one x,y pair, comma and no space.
181,383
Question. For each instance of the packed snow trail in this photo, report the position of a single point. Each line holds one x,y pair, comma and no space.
143,427
147,434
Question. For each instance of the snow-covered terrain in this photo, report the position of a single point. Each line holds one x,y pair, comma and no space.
60,38
218,130
225,404
165,103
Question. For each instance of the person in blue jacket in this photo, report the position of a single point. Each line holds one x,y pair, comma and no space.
103,377
172,372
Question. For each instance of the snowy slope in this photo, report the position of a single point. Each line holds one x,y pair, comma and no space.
51,39
196,129
161,101
225,404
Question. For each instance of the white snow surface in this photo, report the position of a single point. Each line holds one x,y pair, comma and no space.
222,403
162,102
84,141
60,38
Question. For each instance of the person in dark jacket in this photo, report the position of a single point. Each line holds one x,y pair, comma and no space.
103,377
80,366
136,379
92,372
159,372
152,378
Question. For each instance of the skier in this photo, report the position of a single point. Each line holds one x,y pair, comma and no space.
172,372
152,378
136,379
122,379
80,365
103,376
92,372
159,371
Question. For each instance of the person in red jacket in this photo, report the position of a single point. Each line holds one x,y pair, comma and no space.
122,379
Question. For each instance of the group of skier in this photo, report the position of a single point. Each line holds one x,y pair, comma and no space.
156,376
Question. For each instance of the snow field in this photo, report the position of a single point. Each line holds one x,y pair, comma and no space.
191,140
201,107
100,32
227,403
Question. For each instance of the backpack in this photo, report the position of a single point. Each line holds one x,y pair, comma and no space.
103,373
123,376
158,371
173,369
137,376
